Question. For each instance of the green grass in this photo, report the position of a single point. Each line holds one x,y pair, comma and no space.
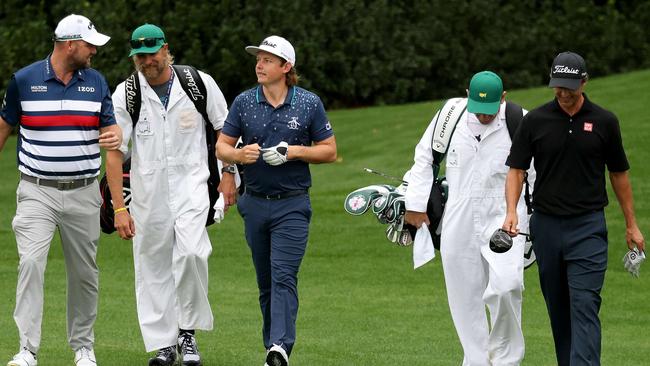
361,303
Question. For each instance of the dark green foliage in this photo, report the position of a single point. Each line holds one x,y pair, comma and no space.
355,52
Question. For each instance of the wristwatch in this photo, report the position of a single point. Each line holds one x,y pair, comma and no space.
228,169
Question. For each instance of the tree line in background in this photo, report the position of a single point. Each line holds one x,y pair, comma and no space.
352,52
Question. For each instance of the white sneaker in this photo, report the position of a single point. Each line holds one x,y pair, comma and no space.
277,356
84,357
23,358
188,350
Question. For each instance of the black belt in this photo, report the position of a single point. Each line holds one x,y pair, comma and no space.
61,185
277,196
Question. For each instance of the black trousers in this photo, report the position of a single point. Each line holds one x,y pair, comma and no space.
572,258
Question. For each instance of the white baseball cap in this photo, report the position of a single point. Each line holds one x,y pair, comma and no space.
78,27
277,46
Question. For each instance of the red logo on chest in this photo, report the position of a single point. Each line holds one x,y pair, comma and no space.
588,126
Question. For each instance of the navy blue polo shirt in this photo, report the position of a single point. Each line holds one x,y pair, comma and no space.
300,120
570,155
59,124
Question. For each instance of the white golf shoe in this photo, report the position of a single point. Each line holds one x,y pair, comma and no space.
23,358
188,350
277,356
85,357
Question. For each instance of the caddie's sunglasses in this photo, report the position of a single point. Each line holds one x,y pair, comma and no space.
145,42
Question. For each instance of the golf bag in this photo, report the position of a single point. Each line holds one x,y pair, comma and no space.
106,215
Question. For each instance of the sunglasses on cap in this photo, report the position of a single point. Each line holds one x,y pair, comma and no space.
145,42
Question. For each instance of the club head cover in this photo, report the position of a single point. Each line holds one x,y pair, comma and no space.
394,208
382,201
358,201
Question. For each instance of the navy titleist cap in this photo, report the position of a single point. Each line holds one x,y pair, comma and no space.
568,71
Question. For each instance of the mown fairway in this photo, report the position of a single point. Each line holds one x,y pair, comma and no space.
361,301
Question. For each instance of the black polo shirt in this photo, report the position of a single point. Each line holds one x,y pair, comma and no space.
570,154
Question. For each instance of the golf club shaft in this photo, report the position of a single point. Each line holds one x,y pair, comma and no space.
519,233
383,175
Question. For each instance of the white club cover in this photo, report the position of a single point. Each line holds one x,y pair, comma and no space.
275,155
632,261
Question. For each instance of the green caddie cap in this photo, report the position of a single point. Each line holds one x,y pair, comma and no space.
485,90
147,38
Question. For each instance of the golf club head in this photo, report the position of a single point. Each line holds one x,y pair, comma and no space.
500,241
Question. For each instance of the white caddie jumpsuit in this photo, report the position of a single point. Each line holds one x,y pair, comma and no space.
169,205
475,276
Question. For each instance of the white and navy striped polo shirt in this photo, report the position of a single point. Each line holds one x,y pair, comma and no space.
59,124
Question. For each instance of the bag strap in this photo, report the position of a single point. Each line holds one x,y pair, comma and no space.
514,115
133,95
194,87
445,122
191,83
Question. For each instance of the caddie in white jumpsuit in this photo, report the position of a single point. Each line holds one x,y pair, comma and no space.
170,203
475,276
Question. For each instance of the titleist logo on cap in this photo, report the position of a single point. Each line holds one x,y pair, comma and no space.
267,43
565,70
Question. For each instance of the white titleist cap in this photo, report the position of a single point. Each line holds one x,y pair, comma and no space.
277,46
77,27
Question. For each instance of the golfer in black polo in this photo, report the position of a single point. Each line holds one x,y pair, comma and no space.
572,140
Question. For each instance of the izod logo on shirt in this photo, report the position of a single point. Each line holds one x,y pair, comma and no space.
588,126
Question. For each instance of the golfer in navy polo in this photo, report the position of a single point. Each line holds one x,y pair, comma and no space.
64,112
283,128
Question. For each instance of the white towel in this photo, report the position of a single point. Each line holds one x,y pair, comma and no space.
423,250
218,209
219,205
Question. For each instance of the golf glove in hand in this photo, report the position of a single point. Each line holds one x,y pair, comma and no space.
275,155
632,261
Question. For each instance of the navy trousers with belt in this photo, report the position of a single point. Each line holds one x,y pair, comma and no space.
277,232
572,258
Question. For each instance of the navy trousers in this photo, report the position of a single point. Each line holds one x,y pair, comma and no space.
277,232
572,258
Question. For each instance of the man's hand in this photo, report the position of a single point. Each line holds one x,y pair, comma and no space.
416,218
110,139
275,155
634,238
124,225
228,190
248,154
510,224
